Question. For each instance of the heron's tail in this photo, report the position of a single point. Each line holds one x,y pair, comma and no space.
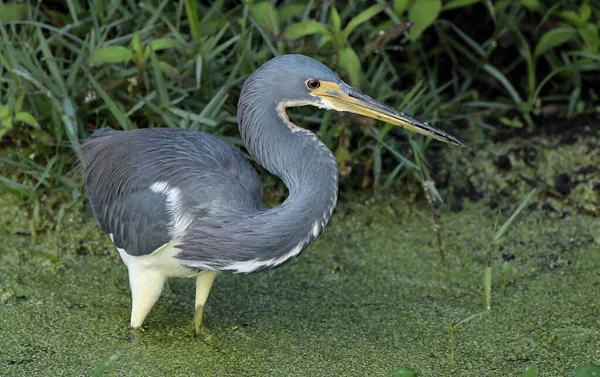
90,149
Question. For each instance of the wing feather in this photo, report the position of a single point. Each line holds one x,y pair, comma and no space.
124,168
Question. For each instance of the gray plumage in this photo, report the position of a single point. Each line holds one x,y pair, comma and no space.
149,187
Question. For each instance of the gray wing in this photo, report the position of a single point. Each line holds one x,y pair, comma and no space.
132,177
138,223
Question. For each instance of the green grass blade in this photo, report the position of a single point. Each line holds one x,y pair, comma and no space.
549,77
155,14
191,10
361,18
465,37
305,28
470,318
505,82
198,70
51,63
141,103
487,288
193,117
116,111
161,86
408,163
74,9
512,218
46,173
106,363
12,187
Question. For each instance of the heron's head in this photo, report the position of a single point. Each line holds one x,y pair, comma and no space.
297,80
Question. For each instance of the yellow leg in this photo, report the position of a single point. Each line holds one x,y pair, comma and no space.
146,286
204,282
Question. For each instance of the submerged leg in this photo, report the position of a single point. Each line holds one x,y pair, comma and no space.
146,286
204,282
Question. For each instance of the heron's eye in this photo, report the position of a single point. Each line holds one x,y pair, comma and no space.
313,84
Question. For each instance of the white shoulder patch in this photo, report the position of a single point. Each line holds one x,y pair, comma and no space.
159,187
180,221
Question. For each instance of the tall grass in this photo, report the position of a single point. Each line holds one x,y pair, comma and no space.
67,71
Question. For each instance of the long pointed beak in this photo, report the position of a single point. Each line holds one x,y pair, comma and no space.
343,97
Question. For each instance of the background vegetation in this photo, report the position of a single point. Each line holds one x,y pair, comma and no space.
475,68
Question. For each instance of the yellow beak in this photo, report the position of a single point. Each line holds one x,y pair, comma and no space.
343,97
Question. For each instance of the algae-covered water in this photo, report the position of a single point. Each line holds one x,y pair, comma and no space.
369,297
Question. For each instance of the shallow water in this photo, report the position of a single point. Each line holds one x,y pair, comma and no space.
368,297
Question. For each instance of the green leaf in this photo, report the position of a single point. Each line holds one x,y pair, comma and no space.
571,17
532,5
350,64
4,113
135,44
13,187
505,226
12,11
361,18
532,371
27,118
511,122
336,22
111,54
423,14
304,28
163,44
266,17
19,101
168,69
400,6
585,11
193,17
401,372
6,125
553,38
591,38
588,370
140,54
287,12
453,4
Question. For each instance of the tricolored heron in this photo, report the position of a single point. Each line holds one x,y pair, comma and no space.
180,203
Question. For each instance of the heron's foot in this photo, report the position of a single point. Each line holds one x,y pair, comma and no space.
136,334
199,319
138,329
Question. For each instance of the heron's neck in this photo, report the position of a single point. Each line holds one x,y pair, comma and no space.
308,169
292,153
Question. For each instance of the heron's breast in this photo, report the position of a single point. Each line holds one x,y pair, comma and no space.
162,260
